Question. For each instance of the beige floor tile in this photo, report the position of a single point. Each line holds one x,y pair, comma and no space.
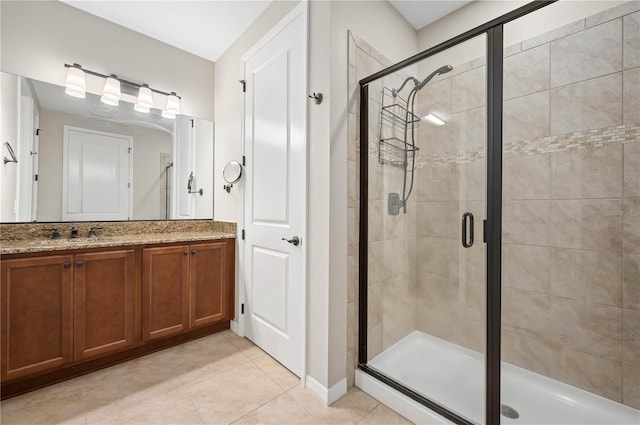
382,415
280,374
217,379
232,394
247,347
109,391
61,403
350,409
282,410
171,409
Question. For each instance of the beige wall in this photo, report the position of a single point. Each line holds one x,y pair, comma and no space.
148,144
39,37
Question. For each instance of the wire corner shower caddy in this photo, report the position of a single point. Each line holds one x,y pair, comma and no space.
395,121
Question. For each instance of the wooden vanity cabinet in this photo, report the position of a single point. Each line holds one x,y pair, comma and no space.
165,291
68,314
186,287
104,303
37,314
59,309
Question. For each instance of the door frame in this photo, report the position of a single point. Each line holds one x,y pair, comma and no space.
494,98
65,154
300,9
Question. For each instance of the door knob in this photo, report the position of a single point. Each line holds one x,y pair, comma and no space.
295,241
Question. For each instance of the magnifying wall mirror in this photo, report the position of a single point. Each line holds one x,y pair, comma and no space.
231,173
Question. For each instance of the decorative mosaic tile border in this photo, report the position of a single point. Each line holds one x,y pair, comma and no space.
597,138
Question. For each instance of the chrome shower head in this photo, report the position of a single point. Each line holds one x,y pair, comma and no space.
418,85
442,70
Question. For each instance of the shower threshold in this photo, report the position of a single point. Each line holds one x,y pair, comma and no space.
453,376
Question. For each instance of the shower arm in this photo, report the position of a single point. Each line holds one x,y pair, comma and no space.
395,92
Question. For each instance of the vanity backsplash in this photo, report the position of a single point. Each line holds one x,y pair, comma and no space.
35,231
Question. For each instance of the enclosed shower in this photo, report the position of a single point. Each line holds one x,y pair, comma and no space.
498,223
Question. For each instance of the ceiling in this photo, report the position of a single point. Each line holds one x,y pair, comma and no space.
203,28
206,28
421,13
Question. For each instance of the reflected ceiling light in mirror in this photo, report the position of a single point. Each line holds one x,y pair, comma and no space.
111,91
75,83
433,119
145,99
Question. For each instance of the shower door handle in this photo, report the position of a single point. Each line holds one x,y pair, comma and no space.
467,242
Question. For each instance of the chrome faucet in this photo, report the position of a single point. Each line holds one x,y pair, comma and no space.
92,231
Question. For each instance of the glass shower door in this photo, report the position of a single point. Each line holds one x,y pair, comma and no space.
426,205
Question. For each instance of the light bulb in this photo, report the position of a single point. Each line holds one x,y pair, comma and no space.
111,91
145,99
173,104
75,83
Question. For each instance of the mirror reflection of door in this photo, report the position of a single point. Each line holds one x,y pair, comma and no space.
96,175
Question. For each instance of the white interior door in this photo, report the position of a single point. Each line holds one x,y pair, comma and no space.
275,191
96,175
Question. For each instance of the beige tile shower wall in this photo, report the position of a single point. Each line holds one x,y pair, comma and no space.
571,211
392,241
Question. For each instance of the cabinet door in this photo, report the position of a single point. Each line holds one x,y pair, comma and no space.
208,286
104,303
37,315
165,291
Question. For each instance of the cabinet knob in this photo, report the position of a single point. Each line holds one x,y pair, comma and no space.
186,253
80,263
194,252
66,265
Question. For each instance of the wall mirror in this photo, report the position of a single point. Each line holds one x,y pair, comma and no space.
82,160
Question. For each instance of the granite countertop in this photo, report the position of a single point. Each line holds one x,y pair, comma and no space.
42,245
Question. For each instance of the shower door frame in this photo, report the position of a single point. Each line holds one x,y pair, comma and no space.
492,232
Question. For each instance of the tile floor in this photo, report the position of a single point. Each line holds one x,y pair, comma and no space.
219,379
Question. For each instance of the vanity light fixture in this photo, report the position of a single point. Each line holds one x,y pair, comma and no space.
111,91
76,86
75,83
433,120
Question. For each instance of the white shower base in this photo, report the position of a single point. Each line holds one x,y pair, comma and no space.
453,376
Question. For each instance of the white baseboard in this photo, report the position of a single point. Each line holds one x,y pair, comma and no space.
235,327
330,395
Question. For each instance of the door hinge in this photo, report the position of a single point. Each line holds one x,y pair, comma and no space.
244,85
129,185
484,231
192,124
242,308
243,235
36,177
130,151
244,161
38,131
